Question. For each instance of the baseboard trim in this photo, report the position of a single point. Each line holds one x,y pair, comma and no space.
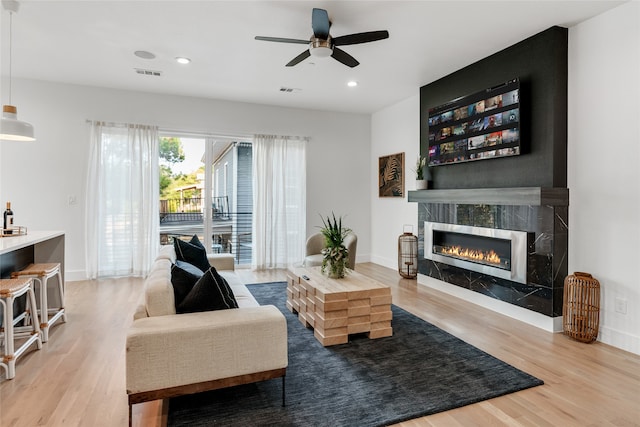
74,275
619,339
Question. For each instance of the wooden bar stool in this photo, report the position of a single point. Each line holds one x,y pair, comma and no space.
41,273
10,289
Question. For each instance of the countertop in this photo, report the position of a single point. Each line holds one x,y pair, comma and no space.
12,243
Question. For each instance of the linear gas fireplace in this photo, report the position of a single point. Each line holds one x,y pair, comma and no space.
500,253
525,268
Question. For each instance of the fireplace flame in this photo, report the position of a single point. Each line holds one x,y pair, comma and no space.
485,257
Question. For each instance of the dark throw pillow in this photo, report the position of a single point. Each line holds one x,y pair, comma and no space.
211,292
195,241
193,254
183,277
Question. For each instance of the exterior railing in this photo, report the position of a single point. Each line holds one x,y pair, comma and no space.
230,232
191,208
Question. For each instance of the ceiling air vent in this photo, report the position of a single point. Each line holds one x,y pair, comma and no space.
289,89
148,72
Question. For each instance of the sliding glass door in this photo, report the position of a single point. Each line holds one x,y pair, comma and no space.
206,190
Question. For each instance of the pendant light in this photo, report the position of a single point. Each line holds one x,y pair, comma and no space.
10,127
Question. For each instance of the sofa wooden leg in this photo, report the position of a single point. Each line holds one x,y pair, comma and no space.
130,421
283,377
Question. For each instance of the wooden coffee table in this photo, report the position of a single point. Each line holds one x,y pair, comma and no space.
335,308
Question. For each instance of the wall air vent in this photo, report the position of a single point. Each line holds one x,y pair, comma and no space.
148,72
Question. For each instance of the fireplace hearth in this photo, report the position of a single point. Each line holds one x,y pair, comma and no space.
499,253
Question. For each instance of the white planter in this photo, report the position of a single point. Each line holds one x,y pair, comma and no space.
422,184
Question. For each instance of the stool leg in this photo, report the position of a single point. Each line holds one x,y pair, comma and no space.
44,308
36,324
61,290
9,360
32,309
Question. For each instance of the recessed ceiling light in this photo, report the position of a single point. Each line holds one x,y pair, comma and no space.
352,83
144,54
182,60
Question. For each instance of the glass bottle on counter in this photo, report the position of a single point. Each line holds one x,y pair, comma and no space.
8,219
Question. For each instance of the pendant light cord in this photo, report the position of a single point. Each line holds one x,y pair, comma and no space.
10,52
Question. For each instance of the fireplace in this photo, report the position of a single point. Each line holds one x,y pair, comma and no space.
496,252
531,276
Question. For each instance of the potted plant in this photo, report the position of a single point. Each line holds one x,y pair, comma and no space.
421,182
335,260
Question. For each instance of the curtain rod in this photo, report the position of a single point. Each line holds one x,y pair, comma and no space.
117,124
235,136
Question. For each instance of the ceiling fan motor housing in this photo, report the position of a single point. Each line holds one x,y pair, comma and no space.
321,48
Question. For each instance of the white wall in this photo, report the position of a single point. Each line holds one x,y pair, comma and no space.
39,177
395,129
604,165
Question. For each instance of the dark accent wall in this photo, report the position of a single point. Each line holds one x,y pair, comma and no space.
541,64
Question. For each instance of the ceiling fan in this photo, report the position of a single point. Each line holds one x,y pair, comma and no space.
321,44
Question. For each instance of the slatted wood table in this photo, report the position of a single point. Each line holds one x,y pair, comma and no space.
336,308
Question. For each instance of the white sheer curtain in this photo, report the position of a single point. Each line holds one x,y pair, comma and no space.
122,200
279,200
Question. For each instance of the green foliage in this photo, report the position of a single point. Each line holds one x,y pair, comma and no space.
171,150
165,178
335,254
178,181
419,170
170,153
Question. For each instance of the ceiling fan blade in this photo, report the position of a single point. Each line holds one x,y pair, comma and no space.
298,59
282,40
342,56
320,23
369,36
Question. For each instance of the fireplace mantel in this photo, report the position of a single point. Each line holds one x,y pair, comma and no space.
528,196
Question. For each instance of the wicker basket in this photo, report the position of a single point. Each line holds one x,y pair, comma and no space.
581,308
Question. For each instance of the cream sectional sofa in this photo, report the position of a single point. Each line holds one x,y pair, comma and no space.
169,354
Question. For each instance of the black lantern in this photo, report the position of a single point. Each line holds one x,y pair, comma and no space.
408,254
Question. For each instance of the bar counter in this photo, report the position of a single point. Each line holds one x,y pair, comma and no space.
16,252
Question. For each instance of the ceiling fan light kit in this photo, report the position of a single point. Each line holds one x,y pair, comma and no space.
322,45
320,48
11,128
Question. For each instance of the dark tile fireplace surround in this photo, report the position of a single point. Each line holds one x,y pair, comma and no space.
540,212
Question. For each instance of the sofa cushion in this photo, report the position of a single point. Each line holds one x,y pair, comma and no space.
183,277
158,292
192,253
211,292
167,252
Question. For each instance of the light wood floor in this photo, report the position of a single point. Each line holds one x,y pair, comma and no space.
77,379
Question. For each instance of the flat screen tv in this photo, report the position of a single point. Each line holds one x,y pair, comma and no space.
484,125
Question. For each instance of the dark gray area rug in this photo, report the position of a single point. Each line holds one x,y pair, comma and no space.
420,370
